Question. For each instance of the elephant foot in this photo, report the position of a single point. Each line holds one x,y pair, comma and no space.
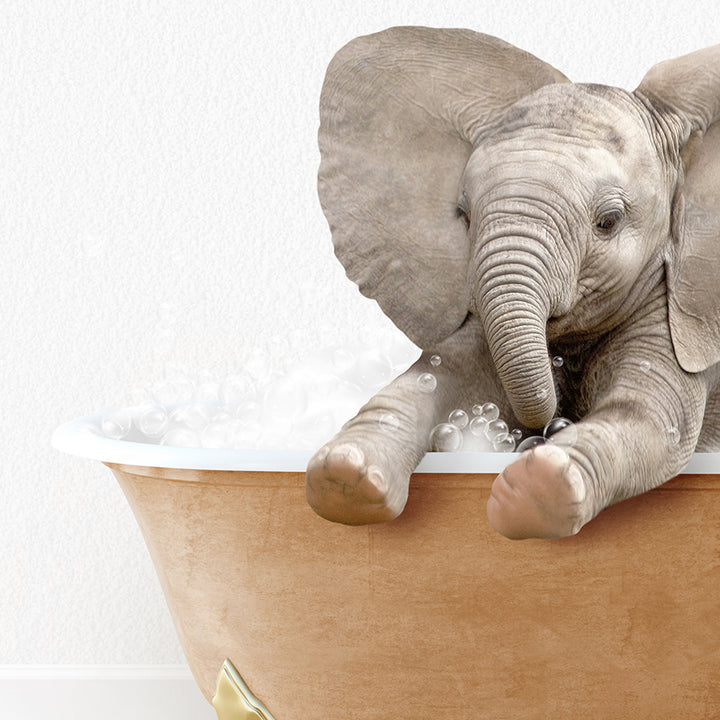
540,495
342,485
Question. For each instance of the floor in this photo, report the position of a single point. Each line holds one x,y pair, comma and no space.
68,698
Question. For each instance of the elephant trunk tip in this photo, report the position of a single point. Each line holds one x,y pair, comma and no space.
539,412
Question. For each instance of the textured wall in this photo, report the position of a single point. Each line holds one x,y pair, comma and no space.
165,153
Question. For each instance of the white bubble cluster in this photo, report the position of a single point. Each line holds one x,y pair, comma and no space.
485,432
552,434
486,412
261,406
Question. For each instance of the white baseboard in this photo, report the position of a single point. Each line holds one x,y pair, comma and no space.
110,692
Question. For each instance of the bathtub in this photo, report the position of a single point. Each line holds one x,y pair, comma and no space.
284,615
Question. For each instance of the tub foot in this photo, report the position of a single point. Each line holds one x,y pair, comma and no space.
233,699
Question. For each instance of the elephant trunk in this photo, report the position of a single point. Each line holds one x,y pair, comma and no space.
514,302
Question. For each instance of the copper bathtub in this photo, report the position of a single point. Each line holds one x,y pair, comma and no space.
284,615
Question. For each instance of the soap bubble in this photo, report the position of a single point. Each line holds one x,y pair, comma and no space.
557,361
218,433
672,435
541,393
645,366
91,428
489,412
569,436
458,418
153,420
116,424
193,416
495,429
181,437
389,422
427,382
517,434
435,360
504,443
530,442
445,438
477,426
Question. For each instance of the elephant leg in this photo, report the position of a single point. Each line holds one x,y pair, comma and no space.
362,475
642,416
709,440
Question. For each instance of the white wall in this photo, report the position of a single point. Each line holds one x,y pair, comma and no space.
165,152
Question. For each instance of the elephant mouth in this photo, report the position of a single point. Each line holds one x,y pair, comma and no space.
575,327
565,327
559,326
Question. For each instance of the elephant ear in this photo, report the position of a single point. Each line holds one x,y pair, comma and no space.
686,91
399,113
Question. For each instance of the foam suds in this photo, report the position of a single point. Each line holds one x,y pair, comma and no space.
299,408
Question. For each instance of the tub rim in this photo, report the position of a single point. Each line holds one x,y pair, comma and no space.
79,437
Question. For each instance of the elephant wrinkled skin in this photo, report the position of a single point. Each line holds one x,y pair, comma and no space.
501,215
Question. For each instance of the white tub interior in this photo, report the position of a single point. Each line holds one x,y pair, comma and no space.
77,437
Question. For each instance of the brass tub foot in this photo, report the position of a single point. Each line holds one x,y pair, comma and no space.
233,699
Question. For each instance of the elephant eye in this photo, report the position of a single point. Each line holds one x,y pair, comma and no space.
459,212
463,211
608,221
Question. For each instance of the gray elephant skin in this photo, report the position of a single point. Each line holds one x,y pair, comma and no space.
502,215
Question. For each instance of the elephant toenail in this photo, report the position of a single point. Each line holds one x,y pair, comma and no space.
377,479
575,480
349,453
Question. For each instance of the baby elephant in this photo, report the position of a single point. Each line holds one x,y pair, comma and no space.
502,215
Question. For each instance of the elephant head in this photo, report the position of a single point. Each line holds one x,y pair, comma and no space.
461,175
